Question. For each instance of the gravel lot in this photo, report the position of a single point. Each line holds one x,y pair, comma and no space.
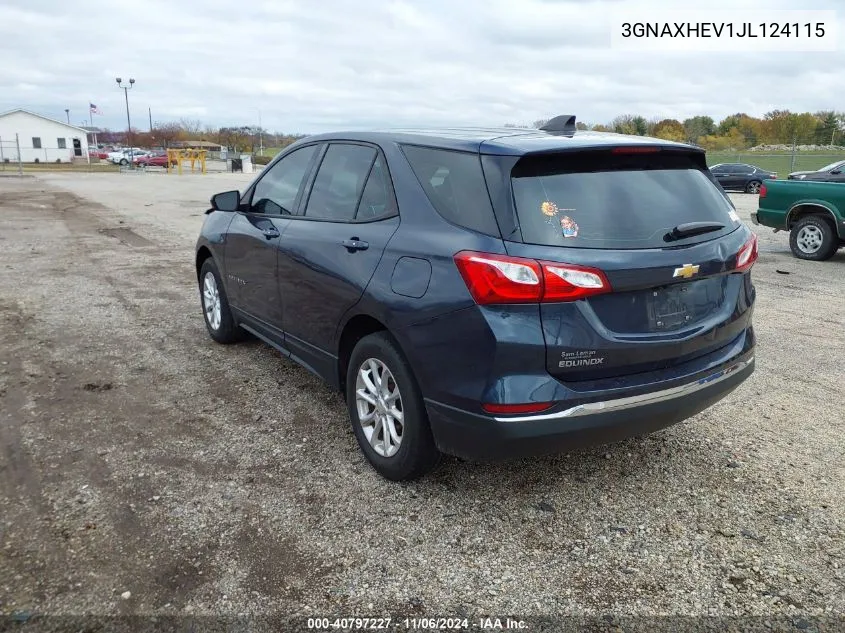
147,470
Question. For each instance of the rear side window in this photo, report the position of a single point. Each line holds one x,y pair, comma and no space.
454,183
377,198
340,182
599,200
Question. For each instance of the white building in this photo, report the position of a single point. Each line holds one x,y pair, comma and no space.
41,138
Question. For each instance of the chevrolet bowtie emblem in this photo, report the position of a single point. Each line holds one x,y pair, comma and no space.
686,271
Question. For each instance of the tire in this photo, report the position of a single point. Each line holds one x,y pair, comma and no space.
416,454
221,325
753,186
813,238
123,161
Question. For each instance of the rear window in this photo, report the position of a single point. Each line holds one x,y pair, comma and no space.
454,183
599,200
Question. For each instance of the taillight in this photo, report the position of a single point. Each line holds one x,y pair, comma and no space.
499,278
747,255
494,279
528,407
763,190
566,282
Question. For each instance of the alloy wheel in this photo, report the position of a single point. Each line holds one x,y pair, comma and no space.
379,405
211,301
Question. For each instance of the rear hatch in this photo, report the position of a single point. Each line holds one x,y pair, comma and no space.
652,260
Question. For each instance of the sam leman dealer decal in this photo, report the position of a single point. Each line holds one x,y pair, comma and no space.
582,358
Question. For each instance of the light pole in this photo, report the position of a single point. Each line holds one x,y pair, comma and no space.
67,112
126,90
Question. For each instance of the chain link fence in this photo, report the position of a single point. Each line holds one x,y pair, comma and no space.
780,158
10,155
782,163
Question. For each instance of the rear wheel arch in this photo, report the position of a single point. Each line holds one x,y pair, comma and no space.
804,209
354,330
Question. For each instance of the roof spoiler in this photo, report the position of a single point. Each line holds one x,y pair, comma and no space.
563,125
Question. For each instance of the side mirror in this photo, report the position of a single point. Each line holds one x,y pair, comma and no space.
226,201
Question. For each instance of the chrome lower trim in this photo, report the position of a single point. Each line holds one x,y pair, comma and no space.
591,408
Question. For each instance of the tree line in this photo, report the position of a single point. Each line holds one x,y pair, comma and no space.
243,138
735,132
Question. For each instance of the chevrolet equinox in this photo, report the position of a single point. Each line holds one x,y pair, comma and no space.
489,293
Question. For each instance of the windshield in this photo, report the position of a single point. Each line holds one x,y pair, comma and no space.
619,203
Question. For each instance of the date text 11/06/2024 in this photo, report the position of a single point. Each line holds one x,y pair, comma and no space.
722,29
416,624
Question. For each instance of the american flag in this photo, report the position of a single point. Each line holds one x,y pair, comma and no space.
93,109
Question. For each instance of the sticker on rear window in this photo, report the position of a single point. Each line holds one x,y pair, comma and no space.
568,226
733,216
549,209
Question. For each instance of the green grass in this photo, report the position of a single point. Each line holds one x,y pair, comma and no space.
780,162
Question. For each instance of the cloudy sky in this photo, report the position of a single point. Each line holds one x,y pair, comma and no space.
317,65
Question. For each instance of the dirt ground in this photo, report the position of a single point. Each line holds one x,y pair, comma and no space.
145,469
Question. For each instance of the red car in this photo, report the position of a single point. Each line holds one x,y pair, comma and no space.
158,159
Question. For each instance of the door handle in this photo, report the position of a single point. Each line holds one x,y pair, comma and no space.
354,244
270,233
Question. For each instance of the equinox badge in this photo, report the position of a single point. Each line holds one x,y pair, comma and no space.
686,271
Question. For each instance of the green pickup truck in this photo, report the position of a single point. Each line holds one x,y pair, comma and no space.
812,212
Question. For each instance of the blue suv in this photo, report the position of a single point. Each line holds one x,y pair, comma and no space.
489,293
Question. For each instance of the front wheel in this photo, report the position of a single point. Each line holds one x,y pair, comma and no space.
813,238
387,411
219,322
753,187
123,161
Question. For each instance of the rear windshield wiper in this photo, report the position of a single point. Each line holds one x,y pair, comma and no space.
689,229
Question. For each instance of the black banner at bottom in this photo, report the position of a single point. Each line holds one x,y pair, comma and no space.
39,623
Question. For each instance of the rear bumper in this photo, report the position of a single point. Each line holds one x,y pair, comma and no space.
473,436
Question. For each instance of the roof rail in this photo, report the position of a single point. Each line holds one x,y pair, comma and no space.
563,125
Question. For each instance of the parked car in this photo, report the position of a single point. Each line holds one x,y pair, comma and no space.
153,159
126,155
116,155
489,293
813,213
741,177
835,172
100,152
